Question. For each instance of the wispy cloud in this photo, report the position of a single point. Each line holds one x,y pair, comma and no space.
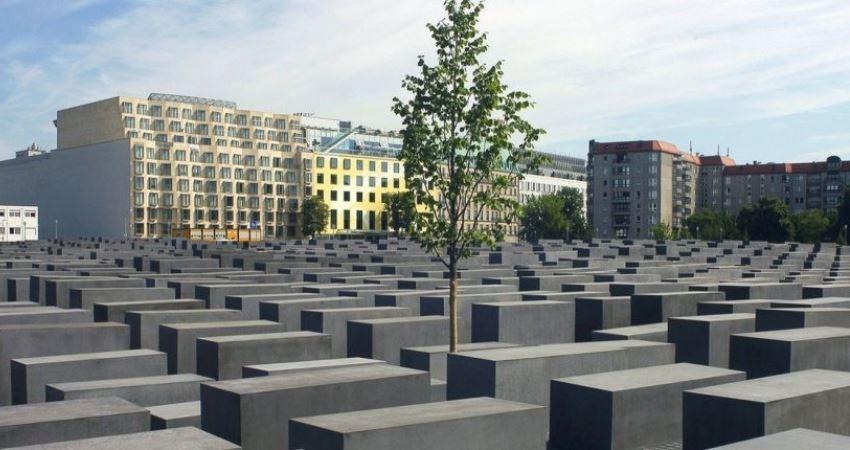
594,68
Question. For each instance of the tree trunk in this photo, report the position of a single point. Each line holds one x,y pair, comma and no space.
452,308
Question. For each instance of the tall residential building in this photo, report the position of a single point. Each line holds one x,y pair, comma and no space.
634,185
145,167
803,186
637,184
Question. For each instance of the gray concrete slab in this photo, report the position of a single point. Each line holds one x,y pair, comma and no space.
44,423
637,408
488,423
143,391
222,357
255,412
733,412
705,339
178,339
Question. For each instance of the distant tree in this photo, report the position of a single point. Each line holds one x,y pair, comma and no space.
810,226
543,218
712,226
401,208
315,214
841,218
661,232
554,216
465,145
766,220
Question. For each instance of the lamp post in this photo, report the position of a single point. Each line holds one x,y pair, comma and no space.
56,229
845,234
697,232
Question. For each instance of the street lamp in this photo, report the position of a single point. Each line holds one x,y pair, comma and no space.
697,232
56,229
845,234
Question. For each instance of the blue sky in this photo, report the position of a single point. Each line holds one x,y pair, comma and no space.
770,79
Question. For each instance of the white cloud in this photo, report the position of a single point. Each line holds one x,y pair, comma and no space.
588,64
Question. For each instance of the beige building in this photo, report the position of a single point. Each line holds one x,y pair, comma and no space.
198,163
635,185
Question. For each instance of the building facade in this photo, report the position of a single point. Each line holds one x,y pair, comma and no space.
635,185
18,223
196,162
169,165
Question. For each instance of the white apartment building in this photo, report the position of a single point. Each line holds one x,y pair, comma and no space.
18,223
536,185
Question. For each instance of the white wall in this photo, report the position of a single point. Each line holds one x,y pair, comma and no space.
18,223
536,185
87,189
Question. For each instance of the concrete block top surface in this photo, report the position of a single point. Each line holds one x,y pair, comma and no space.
217,325
799,334
554,350
63,326
65,410
468,347
125,382
718,317
636,329
780,387
403,416
314,364
622,380
331,376
261,336
183,438
402,320
87,356
176,410
793,439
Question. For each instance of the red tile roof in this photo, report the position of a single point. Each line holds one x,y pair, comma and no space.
716,160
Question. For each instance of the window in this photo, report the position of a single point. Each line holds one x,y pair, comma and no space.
333,195
334,163
320,162
346,196
359,197
346,164
371,166
127,107
333,178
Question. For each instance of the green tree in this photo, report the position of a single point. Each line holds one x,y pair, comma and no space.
810,226
315,214
661,232
401,208
766,220
465,144
841,218
554,216
713,226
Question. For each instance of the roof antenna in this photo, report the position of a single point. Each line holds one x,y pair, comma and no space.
718,149
727,151
691,147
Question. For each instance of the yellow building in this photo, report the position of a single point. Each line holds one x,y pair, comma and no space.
353,186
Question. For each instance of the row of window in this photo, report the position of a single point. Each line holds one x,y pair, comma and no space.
333,163
17,213
204,130
200,115
358,179
163,154
212,201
